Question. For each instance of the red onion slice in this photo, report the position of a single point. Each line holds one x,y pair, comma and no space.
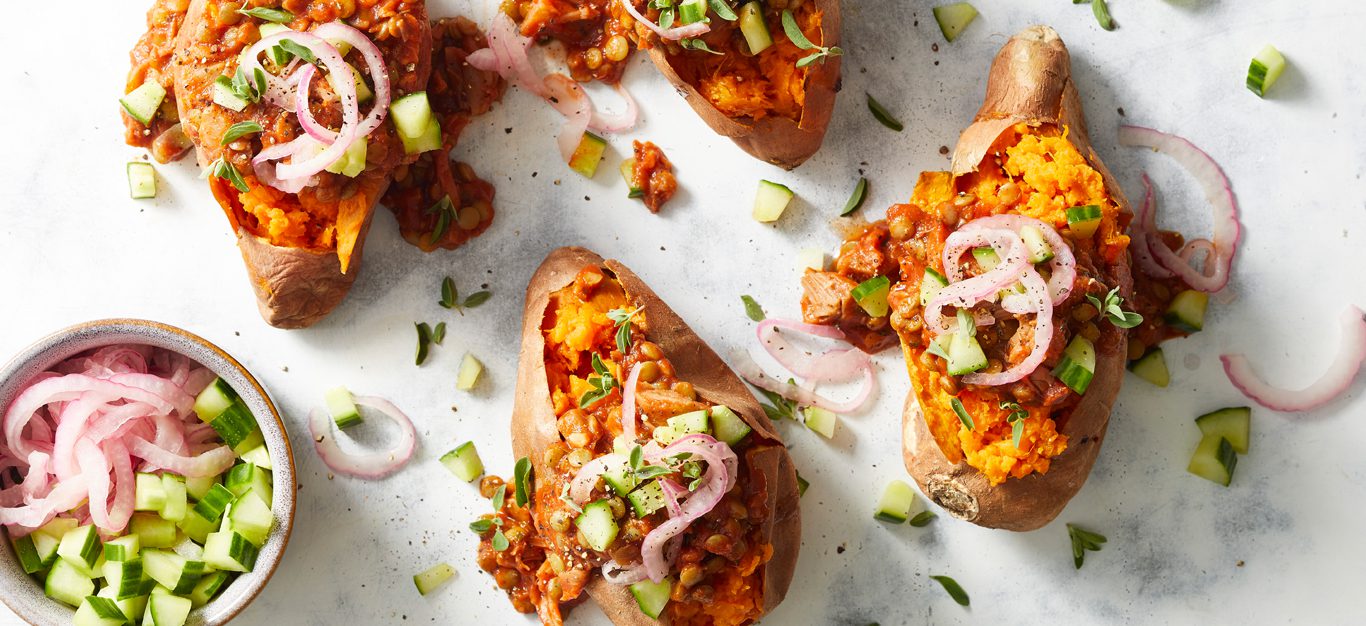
716,481
95,468
581,487
374,62
617,122
65,496
628,403
1322,391
71,425
1037,292
370,465
675,33
121,508
981,288
754,375
1063,265
346,92
1219,193
1143,235
569,99
64,388
829,366
211,463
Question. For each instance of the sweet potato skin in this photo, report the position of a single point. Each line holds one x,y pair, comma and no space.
775,139
1030,82
534,423
294,287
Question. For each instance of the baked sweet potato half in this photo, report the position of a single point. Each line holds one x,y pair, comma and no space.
1007,285
1026,154
769,104
685,514
301,244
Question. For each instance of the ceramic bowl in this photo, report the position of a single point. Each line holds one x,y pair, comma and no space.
24,594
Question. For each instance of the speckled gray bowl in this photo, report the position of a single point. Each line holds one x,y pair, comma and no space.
22,593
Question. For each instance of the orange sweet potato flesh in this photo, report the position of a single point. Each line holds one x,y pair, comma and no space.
1030,83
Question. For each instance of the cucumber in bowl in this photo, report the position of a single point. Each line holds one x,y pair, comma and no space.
145,556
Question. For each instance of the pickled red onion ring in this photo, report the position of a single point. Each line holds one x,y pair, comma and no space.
370,465
1218,192
1063,265
374,62
754,375
581,487
718,479
628,403
675,33
829,366
211,463
1332,384
984,287
1037,293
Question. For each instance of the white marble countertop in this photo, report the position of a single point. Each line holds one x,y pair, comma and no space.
1282,544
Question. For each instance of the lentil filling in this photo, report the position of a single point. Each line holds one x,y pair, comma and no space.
717,577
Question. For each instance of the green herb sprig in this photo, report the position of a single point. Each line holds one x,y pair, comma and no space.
722,10
778,407
955,590
1082,541
1015,419
278,16
221,168
1110,308
856,198
752,308
450,297
424,341
698,44
603,383
882,115
923,519
622,318
521,476
238,130
962,413
798,38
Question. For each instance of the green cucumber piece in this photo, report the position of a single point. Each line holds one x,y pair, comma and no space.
208,587
464,462
352,162
166,610
690,423
1078,364
1265,68
628,174
245,477
652,597
754,28
1186,312
965,354
124,548
821,421
238,428
470,370
132,607
412,114
124,577
152,530
810,258
1233,423
258,456
620,477
82,549
433,577
212,505
36,551
986,258
1039,250
588,155
251,517
1214,460
149,493
1083,220
727,426
930,284
363,92
144,102
172,571
647,499
67,584
895,504
197,486
229,551
59,526
196,527
224,96
770,201
214,399
871,295
142,180
177,500
597,526
1152,367
429,140
97,611
342,406
692,11
665,435
953,18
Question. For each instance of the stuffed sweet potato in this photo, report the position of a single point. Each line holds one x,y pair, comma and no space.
685,514
298,193
998,269
739,70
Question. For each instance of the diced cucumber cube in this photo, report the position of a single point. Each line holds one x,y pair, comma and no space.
67,584
1152,367
149,493
588,155
97,611
647,499
435,576
176,497
468,376
208,587
690,423
896,502
170,570
1078,364
152,530
125,578
251,517
342,406
142,180
166,610
770,201
258,456
1214,460
871,295
82,549
953,18
196,527
36,551
196,487
245,477
930,284
652,597
229,551
1083,220
464,462
144,102
1233,424
124,548
596,524
821,421
728,426
213,400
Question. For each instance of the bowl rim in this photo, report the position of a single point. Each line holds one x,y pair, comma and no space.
41,346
